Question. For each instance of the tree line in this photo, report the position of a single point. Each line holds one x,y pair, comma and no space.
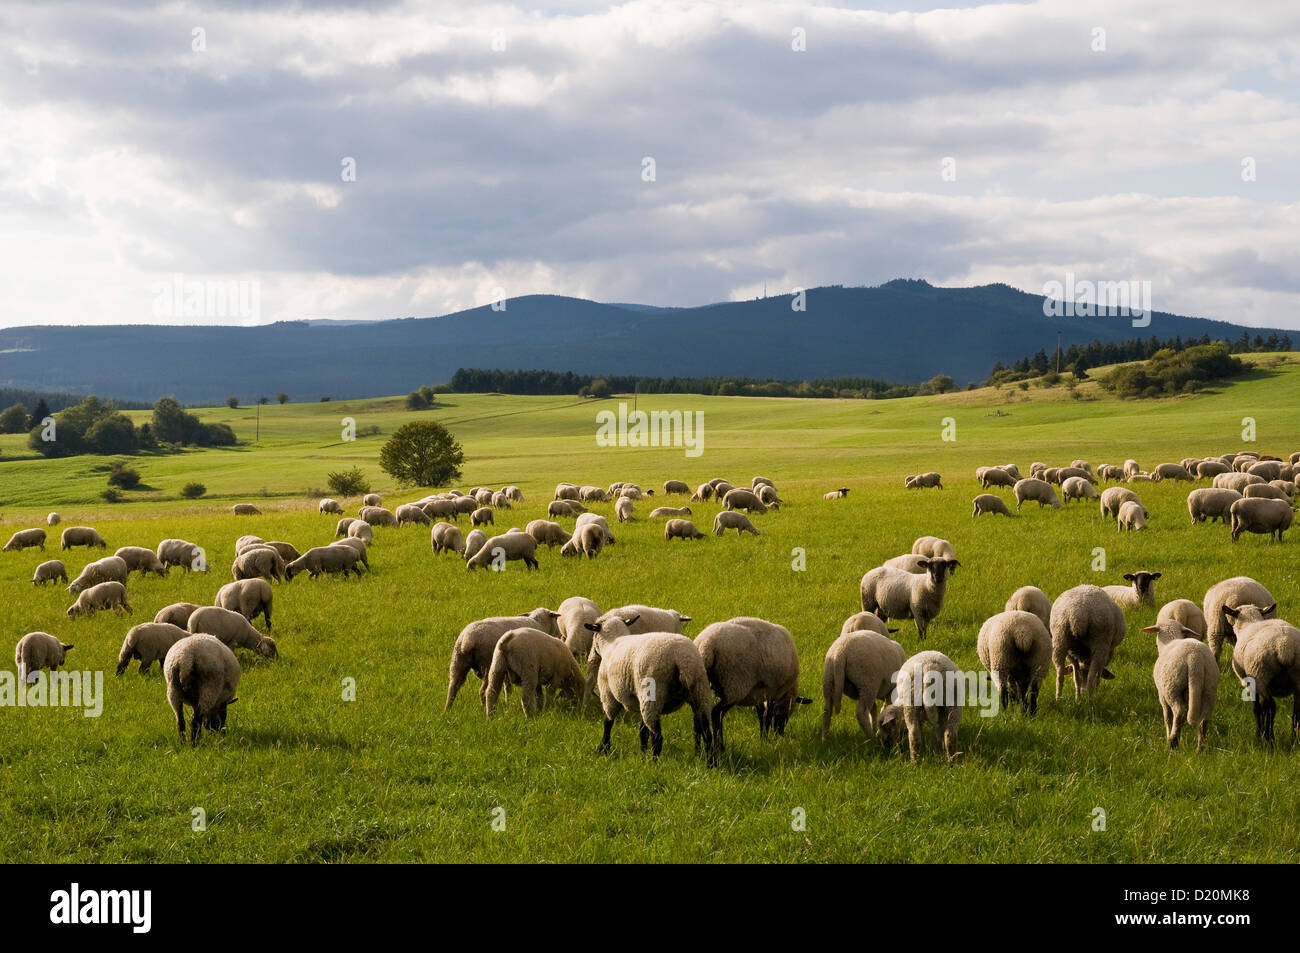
99,426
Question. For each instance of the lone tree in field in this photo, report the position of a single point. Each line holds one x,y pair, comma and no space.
422,454
282,397
232,402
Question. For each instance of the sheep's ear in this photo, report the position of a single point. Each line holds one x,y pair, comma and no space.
888,714
686,618
68,648
1230,612
1128,576
1270,610
629,620
1152,628
593,626
1189,633
892,631
800,700
553,615
1155,575
232,701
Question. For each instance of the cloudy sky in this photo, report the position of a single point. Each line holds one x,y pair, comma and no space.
502,146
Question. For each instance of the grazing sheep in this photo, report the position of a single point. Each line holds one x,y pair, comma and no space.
908,562
865,622
574,614
916,704
923,480
990,503
704,492
53,519
141,560
1266,491
758,481
1267,469
324,559
361,530
81,536
669,511
1267,517
751,661
1077,488
994,476
1113,498
623,509
231,628
681,529
1039,491
533,660
410,513
676,486
1132,516
245,509
108,569
249,597
149,642
24,539
768,496
1187,680
287,551
1110,473
509,547
1267,663
52,570
1236,481
258,561
1140,593
482,495
1171,471
36,651
598,520
934,547
106,595
729,519
500,501
330,506
1015,647
565,508
1186,613
358,546
442,509
739,498
894,594
481,516
566,491
179,552
476,643
466,504
203,673
1131,467
474,541
638,620
588,539
1231,593
593,494
547,533
248,542
378,516
1211,503
836,494
1087,626
513,494
861,664
344,525
1208,469
372,499
1031,599
178,613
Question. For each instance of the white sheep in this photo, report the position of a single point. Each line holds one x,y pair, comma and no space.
1031,599
1112,498
249,597
25,539
676,486
730,519
923,480
1186,613
681,529
507,547
372,499
1267,663
574,614
752,662
410,513
1015,647
934,547
1087,626
908,562
474,541
108,569
378,516
1187,680
623,509
1140,592
52,570
330,506
179,552
533,660
81,536
1037,491
258,561
895,594
231,628
865,622
245,509
141,560
149,642
178,613
1266,517
917,702
836,494
53,519
203,673
344,525
1230,593
106,595
36,651
548,533
1078,488
482,516
861,664
1211,503
1132,517
990,503
473,648
661,512
360,529
325,559
638,620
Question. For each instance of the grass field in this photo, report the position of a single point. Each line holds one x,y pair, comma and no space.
303,775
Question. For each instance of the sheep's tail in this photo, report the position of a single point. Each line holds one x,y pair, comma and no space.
1196,675
698,690
496,677
124,657
833,683
1023,640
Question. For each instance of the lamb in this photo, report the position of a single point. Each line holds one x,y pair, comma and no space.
141,560
232,629
564,508
1186,613
934,547
730,519
344,525
990,503
324,559
742,499
361,530
106,595
330,506
681,529
378,516
372,499
922,480
1211,503
1113,498
203,673
836,494
1031,599
1039,491
108,569
245,509
81,536
249,597
179,552
547,533
704,492
865,622
24,539
1077,488
258,561
1187,680
1233,593
510,546
894,594
1171,471
481,516
178,614
623,509
533,660
669,511
52,570
1132,516
1267,517
861,664
994,476
476,643
574,614
1087,626
915,704
1015,647
1137,595
149,642
36,651
410,513
1267,663
473,543
751,661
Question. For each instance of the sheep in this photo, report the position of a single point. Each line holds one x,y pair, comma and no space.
681,529
358,546
474,646
180,552
474,541
330,506
53,519
500,501
623,509
344,525
729,519
1110,473
248,542
676,486
742,499
1039,491
442,509
1267,517
245,509
108,569
547,533
668,662
52,570
482,495
934,547
249,597
1171,471
1131,467
637,620
1061,474
1087,626
1031,599
1187,680
481,516
751,661
533,660
566,491
378,516
994,476
372,499
865,622
258,561
574,613
24,539
1132,516
149,642
593,494
861,664
1208,469
588,539
598,520
178,613
203,673
1186,613
1015,647
1077,488
1266,491
1211,503
703,493
324,559
232,629
141,560
1286,486
758,481
1012,469
106,595
660,512
1234,593
767,495
894,594
916,704
1267,469
1267,663
513,494
36,651
1236,481
361,530
909,562
81,536
1113,498
1140,593
990,503
510,546
564,508
836,494
466,504
410,513
923,480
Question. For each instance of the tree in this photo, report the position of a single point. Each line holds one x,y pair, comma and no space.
232,402
598,388
40,413
14,420
348,482
123,477
170,423
282,397
415,401
192,491
422,454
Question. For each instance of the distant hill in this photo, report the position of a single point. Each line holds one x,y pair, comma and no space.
903,331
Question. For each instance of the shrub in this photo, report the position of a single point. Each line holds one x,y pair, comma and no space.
348,482
123,477
422,454
192,491
14,420
232,402
111,495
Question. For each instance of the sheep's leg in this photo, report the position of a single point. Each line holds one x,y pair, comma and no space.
644,734
196,723
719,711
866,715
656,736
1200,733
459,670
914,742
1060,675
1032,698
764,722
1167,713
604,741
529,692
144,665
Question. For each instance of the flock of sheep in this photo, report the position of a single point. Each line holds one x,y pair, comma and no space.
637,658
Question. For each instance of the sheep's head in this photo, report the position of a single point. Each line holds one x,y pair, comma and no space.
266,647
1169,631
545,619
1242,616
1143,583
890,724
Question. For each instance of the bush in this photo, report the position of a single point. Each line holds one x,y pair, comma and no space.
111,496
422,454
123,477
348,482
232,402
192,491
1170,371
14,420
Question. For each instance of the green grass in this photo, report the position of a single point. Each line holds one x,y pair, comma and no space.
302,775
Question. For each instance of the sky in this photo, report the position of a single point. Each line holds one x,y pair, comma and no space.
370,161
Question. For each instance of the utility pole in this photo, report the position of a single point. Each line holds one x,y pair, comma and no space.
1058,352
257,437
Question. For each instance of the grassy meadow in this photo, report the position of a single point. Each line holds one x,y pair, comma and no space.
303,775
